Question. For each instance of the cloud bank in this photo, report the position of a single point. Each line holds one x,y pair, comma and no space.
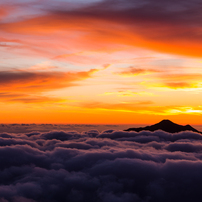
107,166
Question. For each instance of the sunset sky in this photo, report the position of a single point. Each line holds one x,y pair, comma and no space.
100,61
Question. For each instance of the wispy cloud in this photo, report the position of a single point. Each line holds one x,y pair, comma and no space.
42,66
26,81
29,98
129,93
124,106
132,71
29,86
176,81
143,107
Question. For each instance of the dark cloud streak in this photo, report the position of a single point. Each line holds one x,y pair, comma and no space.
156,14
28,86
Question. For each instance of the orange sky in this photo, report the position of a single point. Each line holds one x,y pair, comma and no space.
100,62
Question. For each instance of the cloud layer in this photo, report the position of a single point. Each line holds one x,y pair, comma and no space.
107,166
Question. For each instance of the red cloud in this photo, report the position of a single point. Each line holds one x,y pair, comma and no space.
152,24
21,81
28,87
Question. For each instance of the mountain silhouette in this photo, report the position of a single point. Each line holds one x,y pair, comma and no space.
166,125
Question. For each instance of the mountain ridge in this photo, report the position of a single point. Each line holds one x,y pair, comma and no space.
167,126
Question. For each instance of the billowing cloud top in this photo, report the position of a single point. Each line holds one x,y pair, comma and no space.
107,166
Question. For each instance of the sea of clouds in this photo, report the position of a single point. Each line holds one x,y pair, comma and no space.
93,166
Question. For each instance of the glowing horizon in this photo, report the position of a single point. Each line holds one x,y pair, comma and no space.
100,62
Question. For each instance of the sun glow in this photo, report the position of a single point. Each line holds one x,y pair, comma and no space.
88,64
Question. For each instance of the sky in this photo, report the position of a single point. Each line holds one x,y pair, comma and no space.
100,61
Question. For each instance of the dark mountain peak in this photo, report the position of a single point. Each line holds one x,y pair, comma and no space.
188,127
166,122
166,125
